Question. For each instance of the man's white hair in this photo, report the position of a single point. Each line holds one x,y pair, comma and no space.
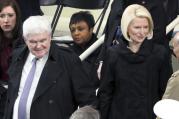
36,25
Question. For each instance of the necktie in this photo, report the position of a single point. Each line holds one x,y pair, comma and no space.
25,93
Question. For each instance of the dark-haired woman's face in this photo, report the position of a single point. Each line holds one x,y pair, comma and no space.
7,19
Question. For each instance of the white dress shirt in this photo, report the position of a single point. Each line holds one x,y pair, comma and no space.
26,69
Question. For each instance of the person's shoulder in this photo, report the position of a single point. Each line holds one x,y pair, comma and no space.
17,52
65,52
66,55
112,53
176,74
117,48
62,48
113,49
161,52
174,79
160,49
19,49
159,46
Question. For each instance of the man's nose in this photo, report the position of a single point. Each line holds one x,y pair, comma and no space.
38,44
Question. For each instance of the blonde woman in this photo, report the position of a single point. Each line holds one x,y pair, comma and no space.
135,71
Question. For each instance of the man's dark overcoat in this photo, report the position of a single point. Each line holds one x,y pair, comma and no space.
63,85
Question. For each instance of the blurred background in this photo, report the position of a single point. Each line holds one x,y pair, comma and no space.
62,28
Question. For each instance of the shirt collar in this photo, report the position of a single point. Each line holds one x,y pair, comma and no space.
31,56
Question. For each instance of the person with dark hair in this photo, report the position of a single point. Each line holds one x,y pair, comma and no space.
81,26
47,81
135,71
10,38
84,16
29,8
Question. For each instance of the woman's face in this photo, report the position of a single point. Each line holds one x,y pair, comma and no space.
81,33
138,29
7,19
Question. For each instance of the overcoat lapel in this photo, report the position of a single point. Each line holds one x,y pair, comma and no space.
47,79
15,75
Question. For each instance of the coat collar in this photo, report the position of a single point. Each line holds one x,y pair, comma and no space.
48,76
144,51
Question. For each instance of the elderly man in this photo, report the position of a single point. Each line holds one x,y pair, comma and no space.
171,96
173,83
46,81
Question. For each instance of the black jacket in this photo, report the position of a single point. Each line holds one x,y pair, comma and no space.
90,64
62,87
133,82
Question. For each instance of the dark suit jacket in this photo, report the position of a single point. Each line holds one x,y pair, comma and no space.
63,85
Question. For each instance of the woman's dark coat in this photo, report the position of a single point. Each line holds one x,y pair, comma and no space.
133,82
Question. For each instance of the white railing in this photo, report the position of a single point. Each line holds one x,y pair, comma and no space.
92,48
101,39
172,24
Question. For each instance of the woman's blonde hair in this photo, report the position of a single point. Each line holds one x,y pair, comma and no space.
131,12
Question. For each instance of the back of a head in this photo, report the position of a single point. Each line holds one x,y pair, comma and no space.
82,16
130,13
36,25
86,112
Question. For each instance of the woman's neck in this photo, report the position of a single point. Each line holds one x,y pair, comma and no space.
8,35
134,47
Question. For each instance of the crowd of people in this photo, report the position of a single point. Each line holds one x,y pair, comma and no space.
40,79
